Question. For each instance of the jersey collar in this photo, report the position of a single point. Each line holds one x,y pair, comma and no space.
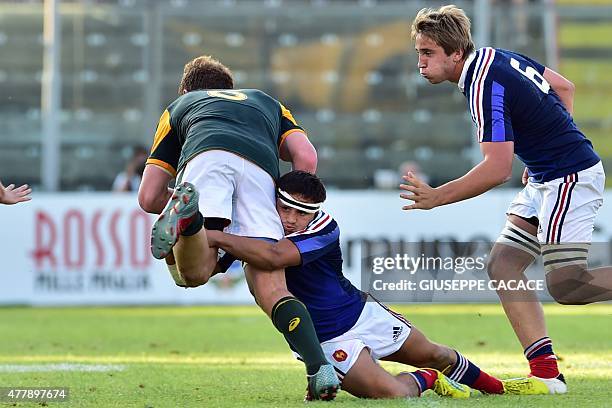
464,70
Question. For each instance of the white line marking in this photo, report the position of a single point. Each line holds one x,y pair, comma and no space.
32,368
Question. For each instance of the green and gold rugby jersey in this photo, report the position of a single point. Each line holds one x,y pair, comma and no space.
247,122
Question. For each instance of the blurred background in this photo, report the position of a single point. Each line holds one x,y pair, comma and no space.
83,83
346,70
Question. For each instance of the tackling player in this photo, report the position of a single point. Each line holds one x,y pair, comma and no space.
355,330
520,107
226,143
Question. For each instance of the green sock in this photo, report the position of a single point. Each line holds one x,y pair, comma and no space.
291,318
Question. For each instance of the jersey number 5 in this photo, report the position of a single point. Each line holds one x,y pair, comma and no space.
533,75
228,94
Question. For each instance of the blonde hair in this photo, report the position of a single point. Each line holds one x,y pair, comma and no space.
447,26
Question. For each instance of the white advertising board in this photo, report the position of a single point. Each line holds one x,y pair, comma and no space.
93,248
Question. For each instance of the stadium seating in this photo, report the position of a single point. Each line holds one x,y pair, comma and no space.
352,83
586,58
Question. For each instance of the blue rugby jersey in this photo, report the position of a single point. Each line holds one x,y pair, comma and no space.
332,301
510,100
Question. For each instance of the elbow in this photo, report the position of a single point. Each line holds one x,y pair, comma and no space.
499,170
566,89
273,264
147,201
274,260
501,176
506,177
306,161
569,90
503,179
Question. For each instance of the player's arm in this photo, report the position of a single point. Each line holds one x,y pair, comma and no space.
297,149
154,193
293,144
493,170
261,254
563,87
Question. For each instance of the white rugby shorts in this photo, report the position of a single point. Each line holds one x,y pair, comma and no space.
378,328
565,207
236,189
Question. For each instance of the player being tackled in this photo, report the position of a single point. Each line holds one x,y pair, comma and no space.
233,164
176,220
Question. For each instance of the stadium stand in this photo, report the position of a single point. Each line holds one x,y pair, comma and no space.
585,48
352,83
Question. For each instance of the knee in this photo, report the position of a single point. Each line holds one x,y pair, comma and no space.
390,389
564,298
393,392
434,356
564,285
506,262
496,260
195,278
268,288
439,357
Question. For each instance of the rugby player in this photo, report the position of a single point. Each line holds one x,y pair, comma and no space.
354,329
520,107
226,143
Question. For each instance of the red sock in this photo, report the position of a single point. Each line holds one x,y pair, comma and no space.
425,378
542,359
468,373
544,366
488,384
184,223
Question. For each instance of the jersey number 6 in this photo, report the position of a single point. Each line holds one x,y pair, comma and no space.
533,75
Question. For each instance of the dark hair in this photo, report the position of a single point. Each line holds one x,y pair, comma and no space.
303,183
205,72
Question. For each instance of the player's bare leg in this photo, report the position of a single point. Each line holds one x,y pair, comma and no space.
179,230
292,319
366,379
418,351
577,285
268,287
509,260
522,307
196,264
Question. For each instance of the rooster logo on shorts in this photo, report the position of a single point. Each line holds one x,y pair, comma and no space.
339,355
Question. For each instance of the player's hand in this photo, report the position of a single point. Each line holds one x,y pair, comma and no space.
11,195
424,196
525,178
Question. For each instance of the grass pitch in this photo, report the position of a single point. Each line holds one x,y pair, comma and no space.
233,357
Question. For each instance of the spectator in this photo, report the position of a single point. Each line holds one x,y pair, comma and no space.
129,179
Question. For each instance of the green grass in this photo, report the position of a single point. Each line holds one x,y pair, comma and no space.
232,356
